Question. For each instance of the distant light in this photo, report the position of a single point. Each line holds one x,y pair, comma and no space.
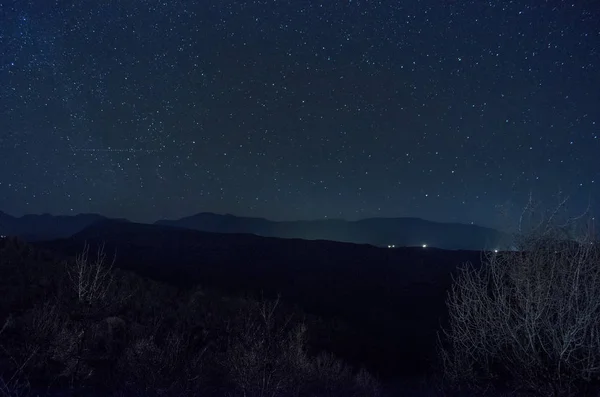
391,246
496,251
424,245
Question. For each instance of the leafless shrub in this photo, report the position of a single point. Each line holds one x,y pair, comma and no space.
16,383
530,317
331,374
169,368
366,384
91,279
14,387
256,355
267,357
143,364
45,321
67,349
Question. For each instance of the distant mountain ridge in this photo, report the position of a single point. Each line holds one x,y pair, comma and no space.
34,227
374,231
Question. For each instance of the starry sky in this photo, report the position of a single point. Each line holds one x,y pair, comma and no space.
300,109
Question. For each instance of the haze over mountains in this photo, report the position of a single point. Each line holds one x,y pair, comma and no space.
375,231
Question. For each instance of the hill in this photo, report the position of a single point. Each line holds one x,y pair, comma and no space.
390,302
80,327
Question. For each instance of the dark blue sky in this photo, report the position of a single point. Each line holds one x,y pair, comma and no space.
446,110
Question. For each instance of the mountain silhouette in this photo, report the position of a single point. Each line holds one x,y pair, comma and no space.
383,232
410,232
33,227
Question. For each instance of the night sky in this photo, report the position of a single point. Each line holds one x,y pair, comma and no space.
298,109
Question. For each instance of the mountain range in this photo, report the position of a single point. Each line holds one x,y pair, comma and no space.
384,232
34,227
409,232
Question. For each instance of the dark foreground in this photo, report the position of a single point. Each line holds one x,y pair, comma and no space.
191,313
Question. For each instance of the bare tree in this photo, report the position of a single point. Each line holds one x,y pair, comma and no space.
529,317
91,279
